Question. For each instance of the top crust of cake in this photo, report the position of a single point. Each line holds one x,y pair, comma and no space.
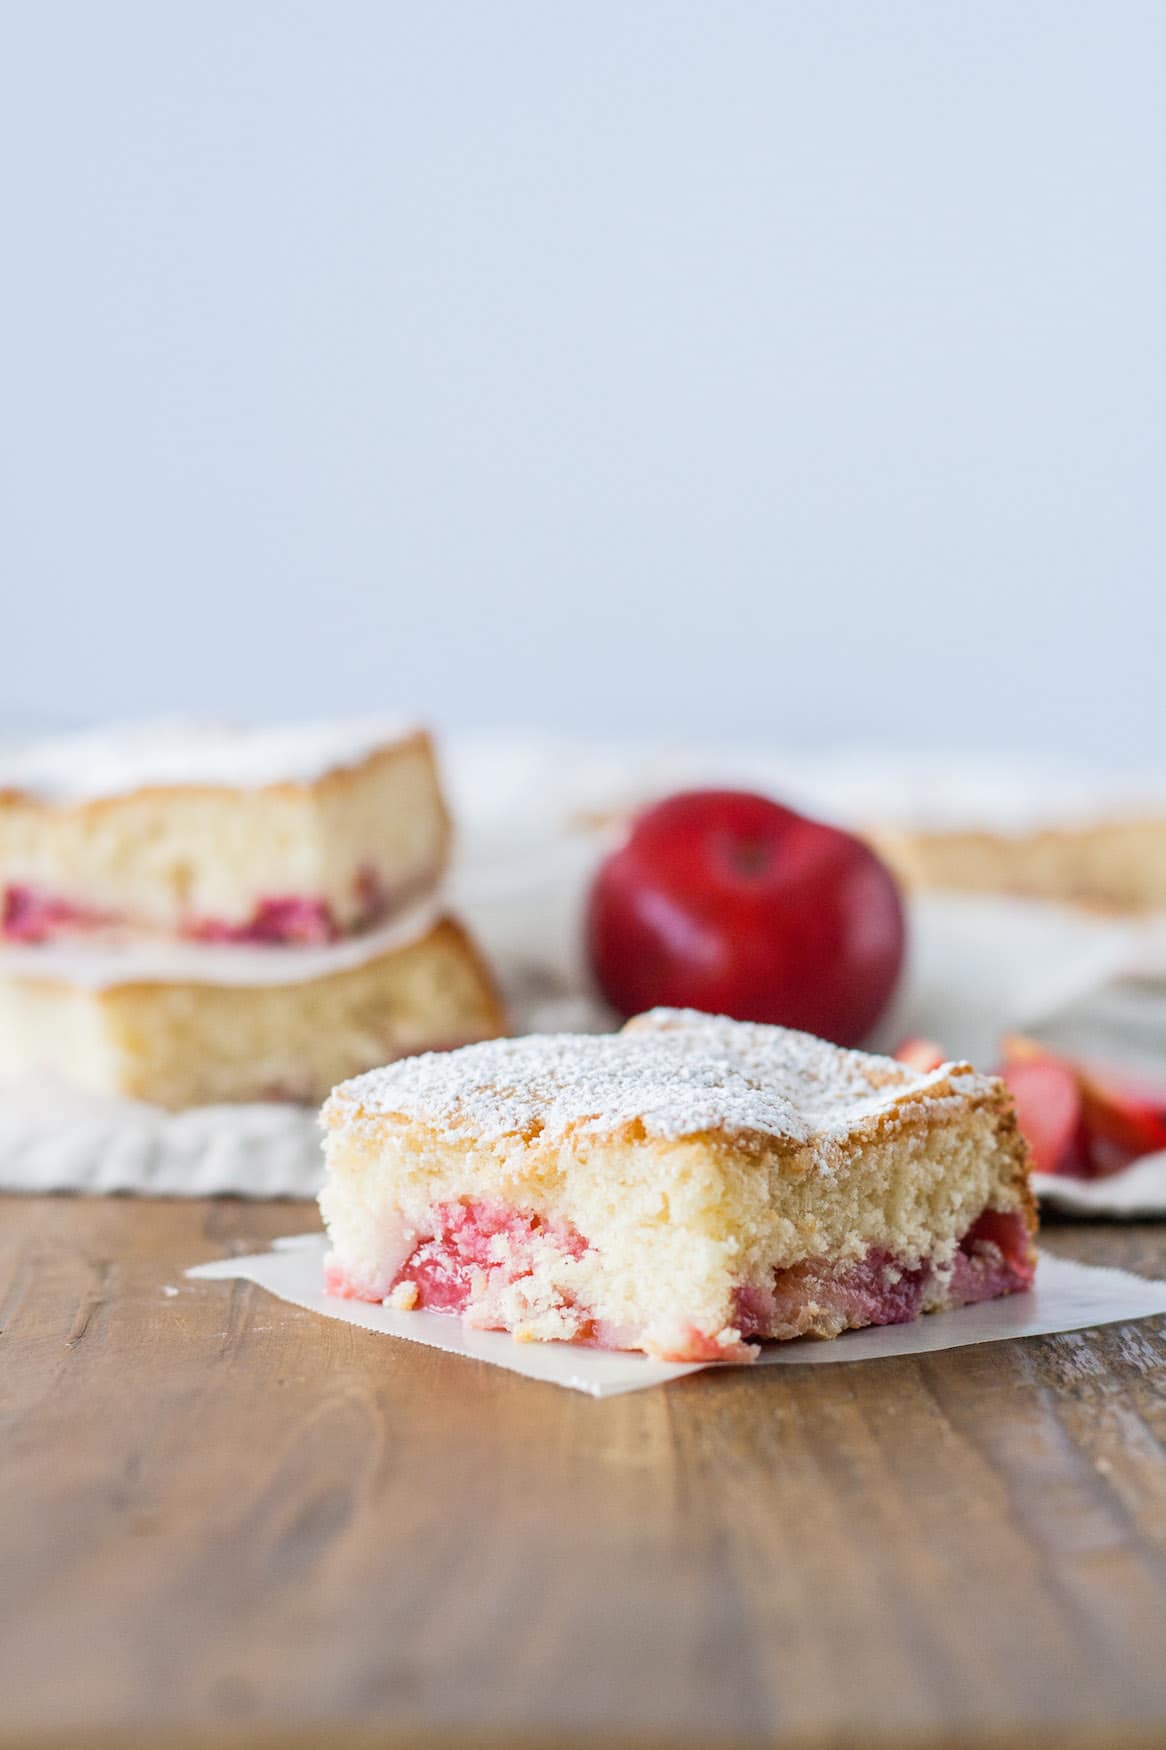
177,754
671,1074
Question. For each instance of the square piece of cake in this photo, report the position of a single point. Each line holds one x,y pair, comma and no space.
302,834
683,1187
1095,840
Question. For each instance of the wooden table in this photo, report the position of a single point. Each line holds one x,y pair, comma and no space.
227,1522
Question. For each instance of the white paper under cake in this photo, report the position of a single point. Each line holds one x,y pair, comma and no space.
1067,1297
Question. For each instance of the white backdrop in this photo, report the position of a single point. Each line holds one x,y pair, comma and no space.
752,371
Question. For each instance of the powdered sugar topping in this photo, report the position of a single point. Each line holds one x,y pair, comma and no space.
675,1073
133,756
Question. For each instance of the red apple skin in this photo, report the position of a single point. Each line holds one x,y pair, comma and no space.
726,902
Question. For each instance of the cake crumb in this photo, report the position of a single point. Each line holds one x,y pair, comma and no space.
404,1297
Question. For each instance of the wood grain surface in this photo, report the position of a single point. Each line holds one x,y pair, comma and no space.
224,1521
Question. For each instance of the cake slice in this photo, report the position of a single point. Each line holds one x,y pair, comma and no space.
242,1024
302,834
1076,838
682,1187
1106,865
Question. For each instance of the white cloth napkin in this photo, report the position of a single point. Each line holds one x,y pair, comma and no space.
1139,1192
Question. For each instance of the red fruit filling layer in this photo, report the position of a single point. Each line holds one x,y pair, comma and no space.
994,1258
477,1247
28,914
475,1238
292,918
309,922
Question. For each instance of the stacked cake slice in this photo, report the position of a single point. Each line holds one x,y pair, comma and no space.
190,914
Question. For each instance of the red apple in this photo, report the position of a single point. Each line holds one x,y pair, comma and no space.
724,901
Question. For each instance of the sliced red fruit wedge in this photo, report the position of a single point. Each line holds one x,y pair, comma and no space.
921,1054
1124,1119
1121,1118
1051,1113
1082,1120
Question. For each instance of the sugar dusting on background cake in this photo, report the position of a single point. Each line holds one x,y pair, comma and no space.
125,757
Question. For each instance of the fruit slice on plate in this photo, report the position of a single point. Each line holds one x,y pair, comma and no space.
1051,1114
1122,1118
1082,1120
1122,1115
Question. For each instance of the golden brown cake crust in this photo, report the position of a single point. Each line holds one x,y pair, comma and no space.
676,1075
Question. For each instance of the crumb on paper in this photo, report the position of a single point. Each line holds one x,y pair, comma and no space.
169,1290
404,1297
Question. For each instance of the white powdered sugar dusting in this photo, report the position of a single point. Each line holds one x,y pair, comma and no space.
125,757
674,1072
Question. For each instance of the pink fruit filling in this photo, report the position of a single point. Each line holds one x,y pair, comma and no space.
475,1239
293,918
473,1248
29,915
994,1258
309,922
476,1248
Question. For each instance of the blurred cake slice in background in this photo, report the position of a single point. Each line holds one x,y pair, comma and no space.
986,824
218,1024
1003,827
193,914
1116,865
301,834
